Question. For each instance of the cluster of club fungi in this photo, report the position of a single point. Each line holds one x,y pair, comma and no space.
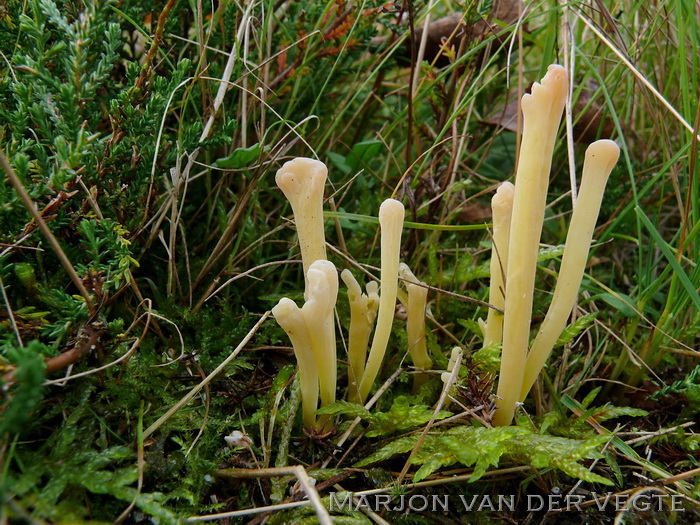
518,214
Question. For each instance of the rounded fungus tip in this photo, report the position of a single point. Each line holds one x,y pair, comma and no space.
602,155
283,308
372,288
294,172
329,271
391,209
354,289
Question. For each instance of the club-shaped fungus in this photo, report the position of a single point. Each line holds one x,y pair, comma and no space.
502,210
600,158
542,111
416,304
391,214
302,181
363,312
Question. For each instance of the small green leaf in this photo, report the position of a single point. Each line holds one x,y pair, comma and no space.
362,153
346,408
240,158
398,446
619,301
575,470
547,254
402,416
488,358
29,312
338,161
590,397
688,387
470,325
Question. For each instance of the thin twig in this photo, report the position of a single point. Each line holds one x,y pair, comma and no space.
241,275
31,208
248,512
10,314
140,464
371,492
658,433
155,44
126,356
423,42
368,405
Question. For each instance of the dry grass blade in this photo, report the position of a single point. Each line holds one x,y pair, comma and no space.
186,399
639,75
297,470
10,314
247,512
441,402
140,465
368,406
240,473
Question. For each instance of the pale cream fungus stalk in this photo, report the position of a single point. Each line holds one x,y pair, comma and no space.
600,158
391,215
363,311
318,313
289,316
416,305
302,181
542,111
502,210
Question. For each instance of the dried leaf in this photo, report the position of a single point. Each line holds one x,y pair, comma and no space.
448,33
